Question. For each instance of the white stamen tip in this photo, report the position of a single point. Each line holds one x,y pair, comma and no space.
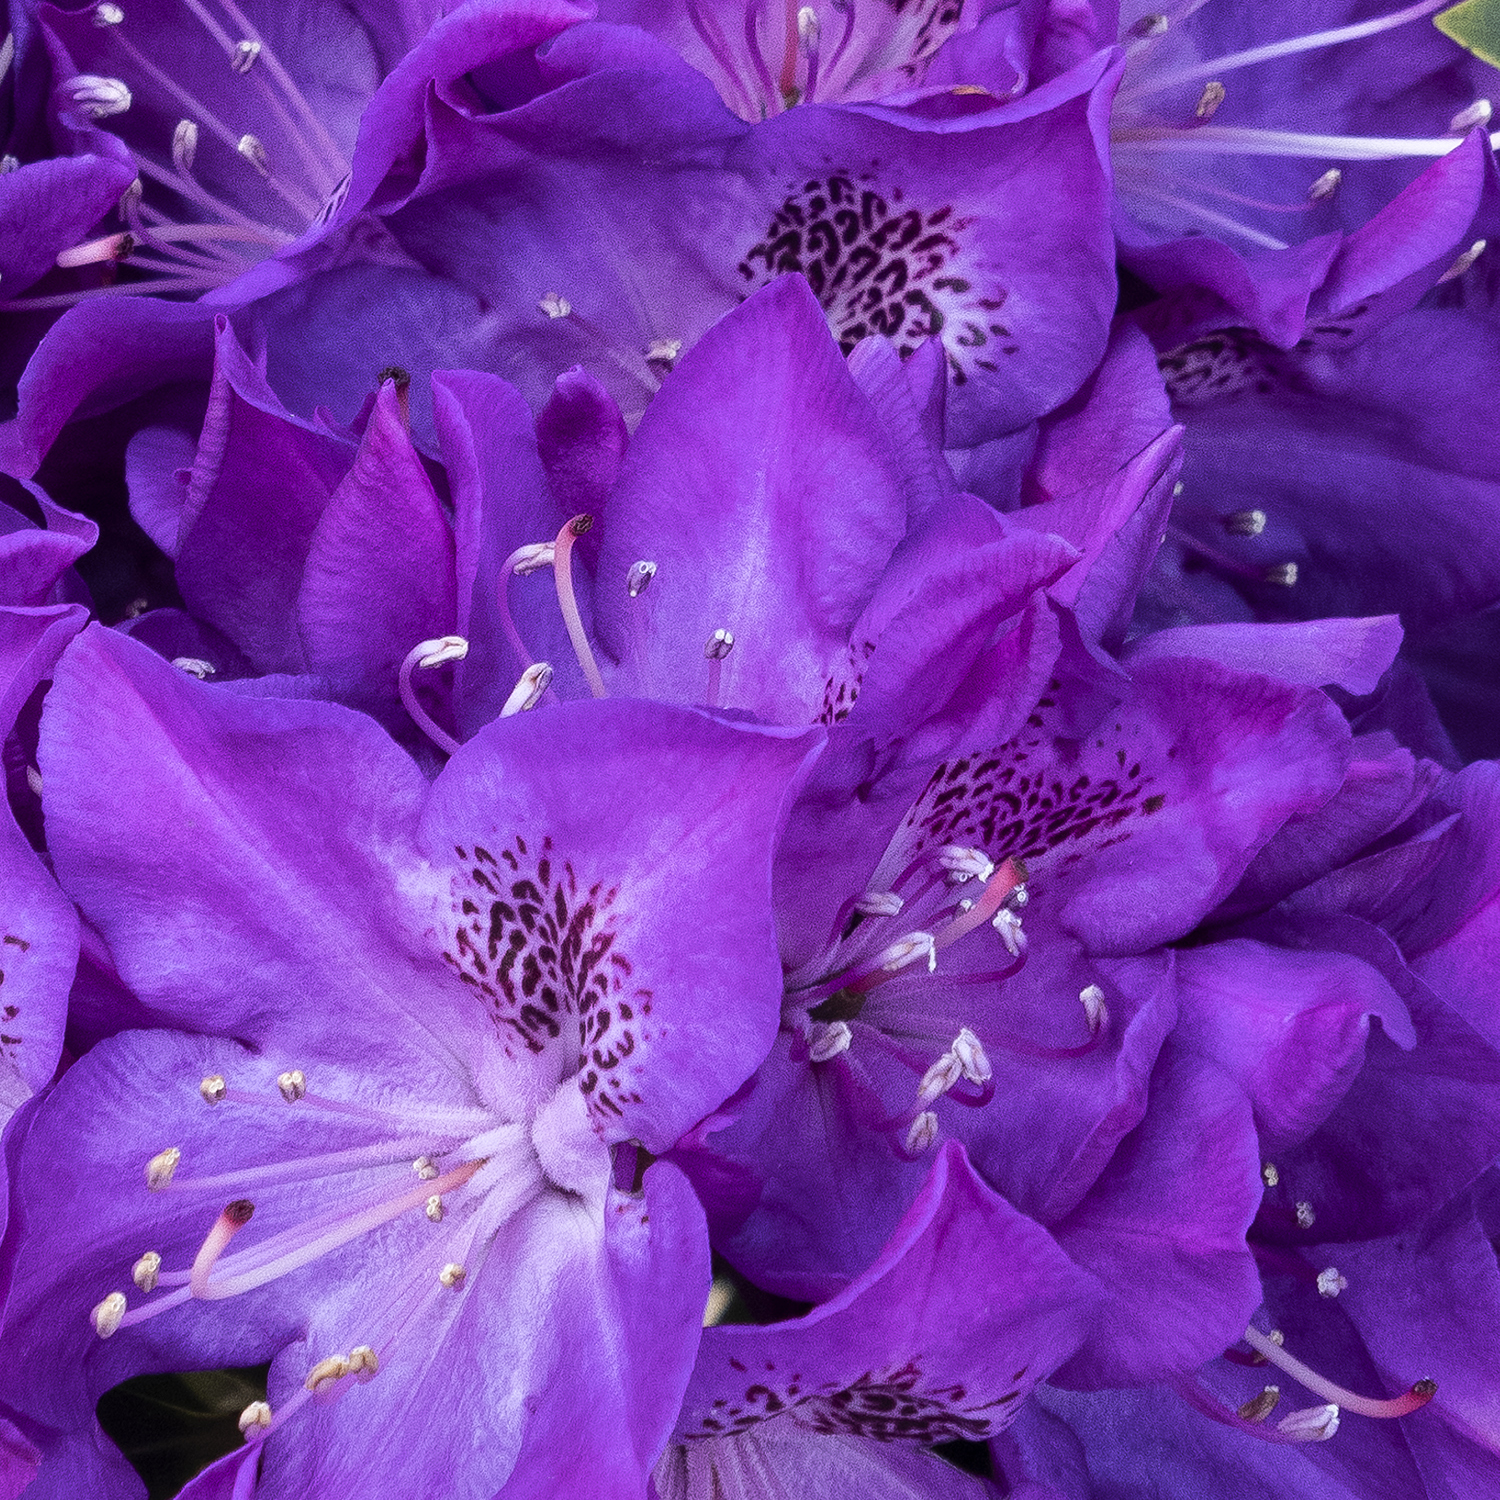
425,1168
131,196
9,163
555,305
255,1418
879,904
242,59
1209,100
1325,186
1330,1283
1258,1408
98,97
441,649
146,1270
1464,261
825,1041
1245,522
434,1209
1095,1011
1305,1215
961,863
969,1051
1019,897
1149,26
108,15
292,1084
640,575
923,1132
1478,113
327,1373
106,1316
162,1168
936,1082
663,353
1269,1175
364,1363
213,1088
809,28
185,145
719,645
1283,574
532,559
452,1275
194,666
34,780
1008,925
1314,1424
913,948
527,693
254,152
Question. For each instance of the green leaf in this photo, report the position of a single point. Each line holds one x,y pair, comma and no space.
1476,25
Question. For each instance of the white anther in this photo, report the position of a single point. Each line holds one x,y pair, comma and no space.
1149,26
131,196
9,163
1478,113
809,28
827,1040
434,1209
441,649
913,948
1269,1175
961,863
527,693
1330,1283
1209,100
879,904
1284,574
250,148
923,1132
1019,897
452,1275
936,1082
719,645
555,305
1258,1408
533,559
255,1418
969,1051
1245,522
108,15
1305,1215
327,1373
242,59
106,1316
1325,186
292,1084
213,1088
162,1168
1464,261
34,780
640,575
425,1168
194,666
364,1363
185,145
1095,1011
1313,1424
663,352
98,97
1008,925
1177,490
146,1270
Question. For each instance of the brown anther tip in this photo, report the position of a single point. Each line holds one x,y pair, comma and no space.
126,246
239,1211
581,524
1425,1389
402,377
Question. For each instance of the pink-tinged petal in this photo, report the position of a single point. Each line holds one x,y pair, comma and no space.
760,484
614,932
379,573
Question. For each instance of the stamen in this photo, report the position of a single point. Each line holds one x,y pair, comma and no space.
326,1374
107,1315
961,864
639,577
555,305
229,1223
452,1275
433,653
562,572
879,904
1478,113
1283,575
915,947
1253,141
970,1054
1210,100
716,649
996,889
213,1088
1398,1406
1464,261
194,666
938,1079
1330,1282
254,152
107,15
1148,27
97,97
292,1085
364,1363
531,558
255,1418
1258,1408
661,355
1325,186
1313,1424
434,1208
162,1168
1245,522
826,1040
1305,1215
146,1271
1095,1011
424,1168
1008,925
111,247
1269,1174
922,1133
527,693
809,36
243,57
